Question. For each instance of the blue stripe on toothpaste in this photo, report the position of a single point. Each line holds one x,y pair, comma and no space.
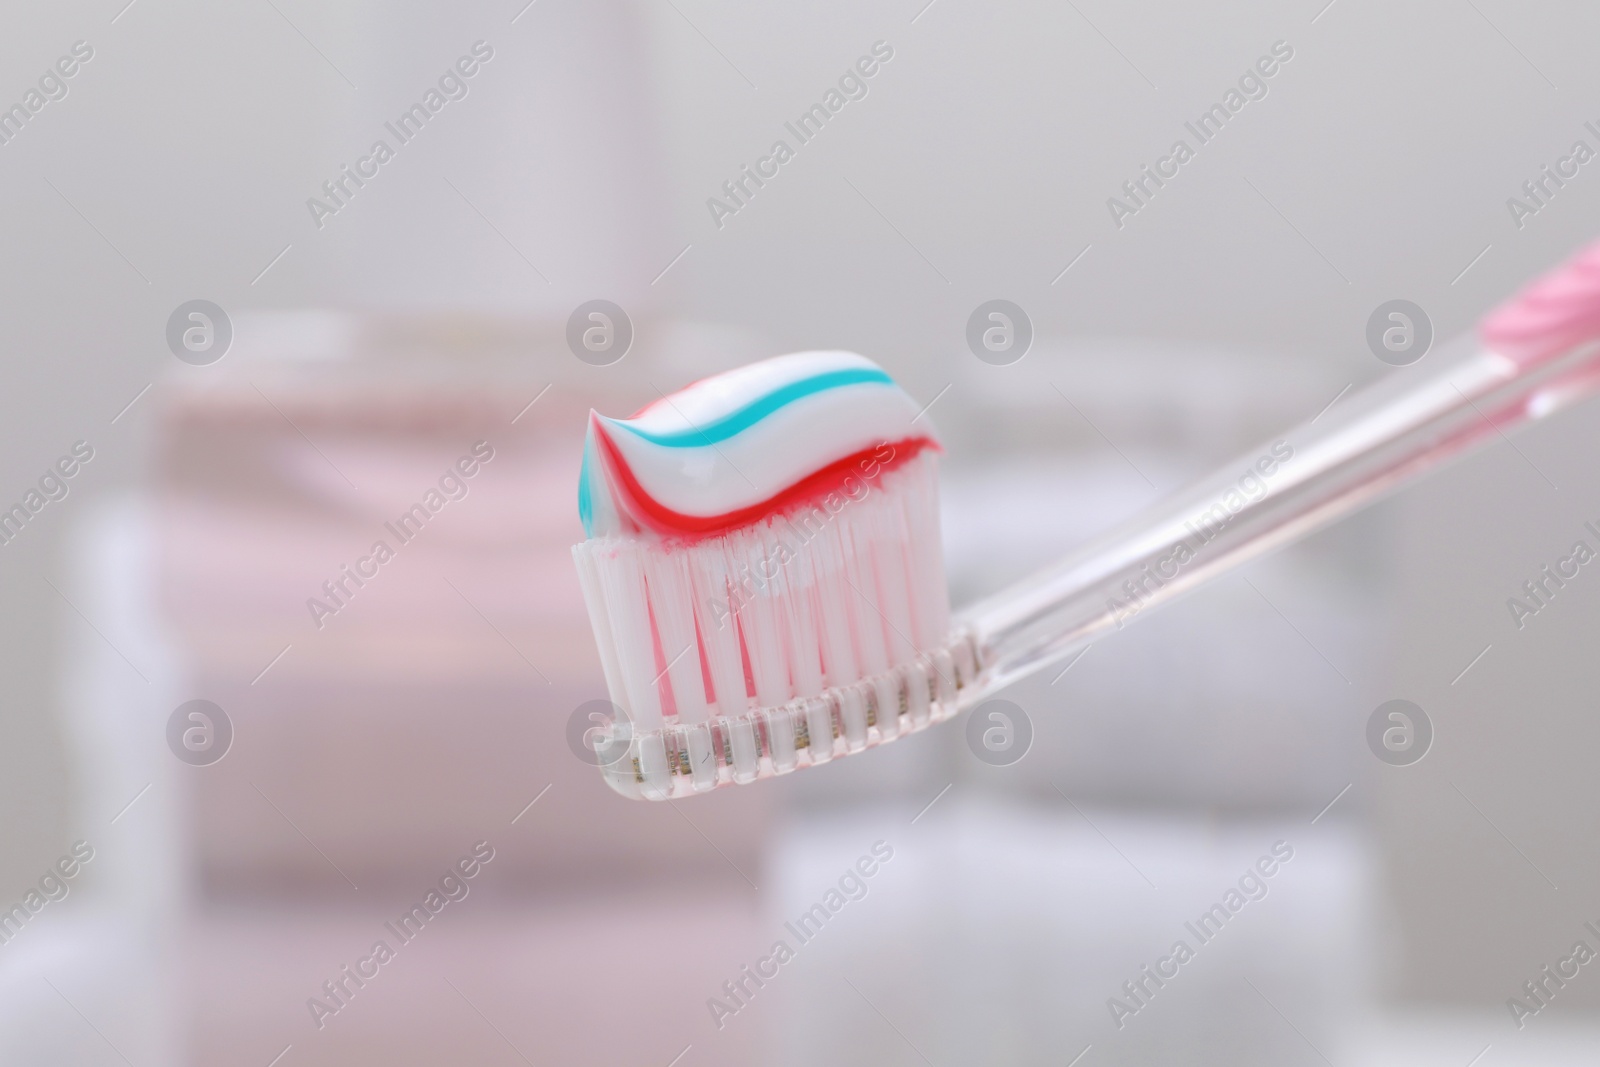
585,504
736,422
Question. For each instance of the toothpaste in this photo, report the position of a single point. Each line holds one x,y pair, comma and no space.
743,446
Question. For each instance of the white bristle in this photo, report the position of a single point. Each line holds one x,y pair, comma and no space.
778,644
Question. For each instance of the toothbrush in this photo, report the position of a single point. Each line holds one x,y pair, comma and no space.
765,581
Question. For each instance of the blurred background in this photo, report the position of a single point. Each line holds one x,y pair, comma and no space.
383,328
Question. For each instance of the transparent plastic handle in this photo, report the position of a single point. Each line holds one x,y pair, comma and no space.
1538,353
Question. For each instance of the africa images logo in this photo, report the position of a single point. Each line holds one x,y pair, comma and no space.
1252,85
452,85
851,886
738,191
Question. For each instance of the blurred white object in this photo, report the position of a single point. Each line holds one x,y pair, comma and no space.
997,934
93,979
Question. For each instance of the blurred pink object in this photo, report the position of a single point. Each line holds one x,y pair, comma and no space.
426,706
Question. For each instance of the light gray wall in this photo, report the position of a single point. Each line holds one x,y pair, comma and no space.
979,165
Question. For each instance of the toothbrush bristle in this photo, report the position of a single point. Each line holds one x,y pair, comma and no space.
812,623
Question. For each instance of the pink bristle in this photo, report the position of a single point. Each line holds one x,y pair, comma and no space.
802,636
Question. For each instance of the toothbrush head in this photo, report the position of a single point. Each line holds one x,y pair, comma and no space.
764,575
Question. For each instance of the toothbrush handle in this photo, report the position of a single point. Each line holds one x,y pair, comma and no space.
1537,354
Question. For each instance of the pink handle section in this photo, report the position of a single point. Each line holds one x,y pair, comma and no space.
1550,316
